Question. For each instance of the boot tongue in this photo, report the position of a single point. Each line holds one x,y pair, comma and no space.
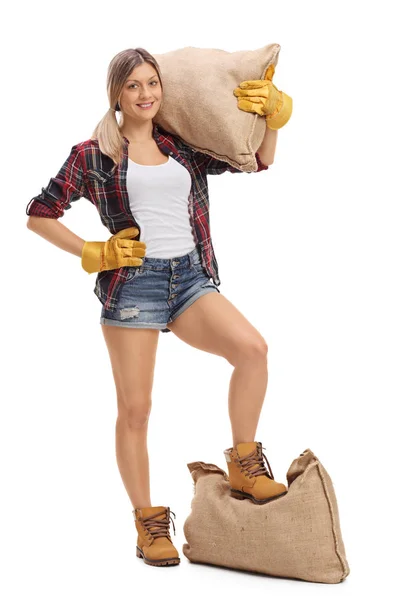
245,448
152,510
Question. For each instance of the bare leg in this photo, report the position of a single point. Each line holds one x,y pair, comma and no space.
247,389
132,354
133,460
213,324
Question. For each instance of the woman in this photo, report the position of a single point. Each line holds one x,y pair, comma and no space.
149,183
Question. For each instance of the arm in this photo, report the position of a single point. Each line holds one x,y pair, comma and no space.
63,189
55,232
267,149
44,210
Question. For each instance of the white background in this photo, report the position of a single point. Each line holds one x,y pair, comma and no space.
308,251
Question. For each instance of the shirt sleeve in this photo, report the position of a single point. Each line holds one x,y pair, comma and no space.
214,166
63,189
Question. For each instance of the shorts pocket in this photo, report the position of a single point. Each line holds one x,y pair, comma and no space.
133,272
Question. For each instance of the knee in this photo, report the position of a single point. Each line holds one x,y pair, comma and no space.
134,415
254,349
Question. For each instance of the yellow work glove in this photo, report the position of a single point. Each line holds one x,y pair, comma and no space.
118,251
262,97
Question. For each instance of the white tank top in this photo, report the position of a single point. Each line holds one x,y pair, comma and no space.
158,198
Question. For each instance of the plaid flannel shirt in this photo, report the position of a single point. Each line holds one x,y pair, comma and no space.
90,174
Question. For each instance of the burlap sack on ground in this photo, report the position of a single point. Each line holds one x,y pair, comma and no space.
199,105
296,536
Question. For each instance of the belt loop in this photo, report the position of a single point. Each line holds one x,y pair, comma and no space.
198,253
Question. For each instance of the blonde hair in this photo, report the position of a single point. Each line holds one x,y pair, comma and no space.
108,131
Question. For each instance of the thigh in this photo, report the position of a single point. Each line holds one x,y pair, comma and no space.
212,323
132,353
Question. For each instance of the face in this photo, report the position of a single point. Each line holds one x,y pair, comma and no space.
141,87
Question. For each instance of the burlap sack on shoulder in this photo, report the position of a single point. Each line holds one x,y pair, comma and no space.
199,105
296,536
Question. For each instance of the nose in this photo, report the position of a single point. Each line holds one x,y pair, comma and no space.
144,96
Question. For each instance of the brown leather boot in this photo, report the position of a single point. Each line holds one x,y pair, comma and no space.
249,477
154,543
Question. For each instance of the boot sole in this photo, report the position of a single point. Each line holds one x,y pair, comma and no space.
160,562
244,496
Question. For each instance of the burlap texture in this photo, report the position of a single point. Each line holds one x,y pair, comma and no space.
296,536
199,105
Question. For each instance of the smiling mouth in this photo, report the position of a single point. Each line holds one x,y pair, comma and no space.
145,104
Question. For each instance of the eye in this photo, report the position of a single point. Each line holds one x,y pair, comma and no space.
132,84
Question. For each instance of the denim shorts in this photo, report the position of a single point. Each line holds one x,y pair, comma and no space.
158,291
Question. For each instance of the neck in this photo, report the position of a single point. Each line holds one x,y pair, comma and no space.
138,133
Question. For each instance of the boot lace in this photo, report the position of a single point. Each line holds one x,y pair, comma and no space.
255,458
160,527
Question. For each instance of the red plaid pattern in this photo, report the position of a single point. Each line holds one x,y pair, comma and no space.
90,174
